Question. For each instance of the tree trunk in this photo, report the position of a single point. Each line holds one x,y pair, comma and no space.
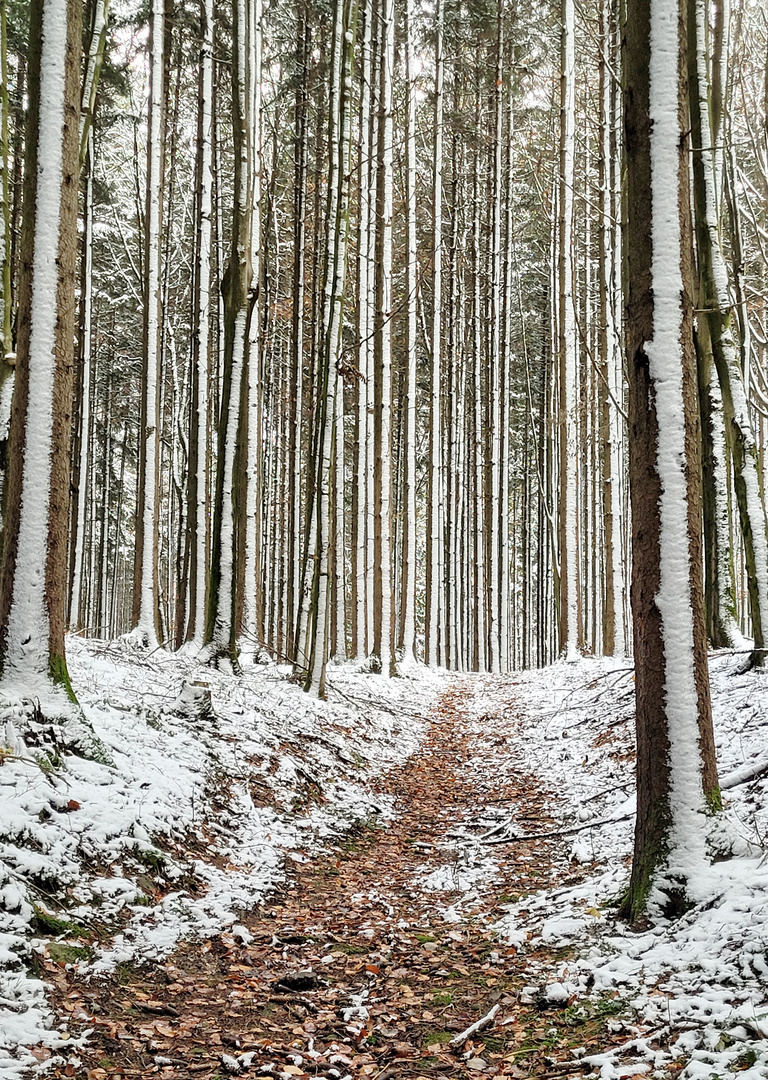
611,381
146,610
434,496
33,573
330,382
383,612
251,629
714,308
224,604
199,458
408,601
495,388
570,614
303,42
676,774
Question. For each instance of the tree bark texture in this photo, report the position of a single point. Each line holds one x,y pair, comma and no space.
676,773
33,579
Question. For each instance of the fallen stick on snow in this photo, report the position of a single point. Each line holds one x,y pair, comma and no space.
496,828
459,1040
753,770
560,832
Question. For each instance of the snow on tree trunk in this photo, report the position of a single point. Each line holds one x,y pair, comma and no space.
146,613
721,610
383,389
715,307
505,655
494,436
6,336
94,64
227,576
434,517
317,633
295,538
408,613
675,746
569,526
479,601
251,630
339,643
361,626
7,359
612,386
33,575
333,305
201,344
368,306
77,607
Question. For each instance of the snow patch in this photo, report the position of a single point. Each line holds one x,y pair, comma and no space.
206,802
706,972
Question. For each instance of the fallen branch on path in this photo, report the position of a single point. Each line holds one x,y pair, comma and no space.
560,832
459,1040
293,999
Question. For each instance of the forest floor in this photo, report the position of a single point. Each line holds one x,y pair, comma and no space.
354,967
294,889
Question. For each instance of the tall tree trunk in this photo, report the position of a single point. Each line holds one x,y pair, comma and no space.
496,381
94,64
251,630
224,604
382,645
570,616
408,601
330,382
611,381
368,308
77,609
479,599
201,338
714,306
719,587
7,359
146,608
676,774
294,546
434,495
33,572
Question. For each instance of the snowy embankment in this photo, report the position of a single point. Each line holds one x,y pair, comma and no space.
194,822
698,985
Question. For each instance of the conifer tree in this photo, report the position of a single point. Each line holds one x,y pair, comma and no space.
676,773
33,571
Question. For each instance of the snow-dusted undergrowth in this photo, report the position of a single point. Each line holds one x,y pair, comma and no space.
270,774
705,974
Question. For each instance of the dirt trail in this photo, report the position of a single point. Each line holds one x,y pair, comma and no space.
356,968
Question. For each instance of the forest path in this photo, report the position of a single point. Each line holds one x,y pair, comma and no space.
375,954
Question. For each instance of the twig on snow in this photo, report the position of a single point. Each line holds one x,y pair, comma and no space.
483,1022
497,828
753,770
609,791
560,832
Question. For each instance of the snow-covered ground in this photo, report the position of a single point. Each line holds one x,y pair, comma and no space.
211,806
706,974
267,776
